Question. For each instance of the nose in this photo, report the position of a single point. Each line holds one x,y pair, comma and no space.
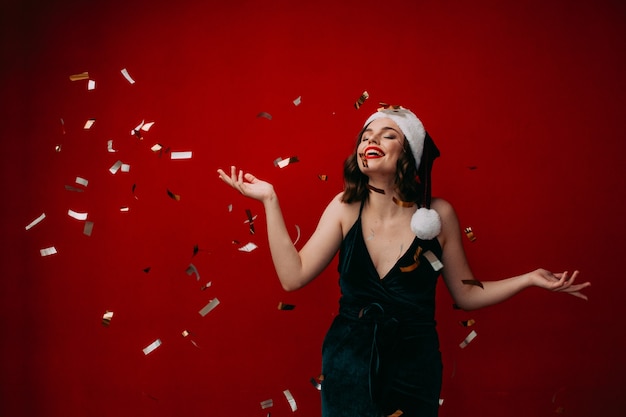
373,139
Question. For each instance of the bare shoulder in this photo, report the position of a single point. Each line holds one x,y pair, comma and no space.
442,207
345,213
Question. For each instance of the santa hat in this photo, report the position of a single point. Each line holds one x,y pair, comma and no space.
425,223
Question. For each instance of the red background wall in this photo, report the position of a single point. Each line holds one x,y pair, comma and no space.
524,99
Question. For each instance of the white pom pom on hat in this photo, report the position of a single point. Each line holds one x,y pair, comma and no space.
425,222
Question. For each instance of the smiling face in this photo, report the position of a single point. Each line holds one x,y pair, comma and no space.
381,144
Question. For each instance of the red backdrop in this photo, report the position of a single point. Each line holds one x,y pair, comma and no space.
524,99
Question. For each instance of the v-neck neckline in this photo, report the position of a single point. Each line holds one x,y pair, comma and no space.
369,256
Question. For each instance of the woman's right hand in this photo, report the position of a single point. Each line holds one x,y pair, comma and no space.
248,185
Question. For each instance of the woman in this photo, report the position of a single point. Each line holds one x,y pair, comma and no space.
381,353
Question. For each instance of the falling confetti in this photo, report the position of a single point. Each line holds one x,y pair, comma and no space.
48,251
181,155
468,339
361,100
106,318
281,163
397,413
191,269
267,404
298,101
76,215
110,146
91,85
416,259
250,220
88,229
290,399
434,261
173,196
317,383
470,234
82,181
115,167
467,323
148,349
323,177
127,76
265,115
89,123
210,306
248,247
298,236
36,221
196,249
81,76
283,306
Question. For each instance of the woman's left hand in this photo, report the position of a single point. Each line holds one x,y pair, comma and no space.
561,282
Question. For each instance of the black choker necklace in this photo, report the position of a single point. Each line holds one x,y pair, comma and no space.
376,190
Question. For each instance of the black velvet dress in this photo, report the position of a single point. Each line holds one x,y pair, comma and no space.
381,353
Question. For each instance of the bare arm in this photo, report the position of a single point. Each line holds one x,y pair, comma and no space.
470,297
294,269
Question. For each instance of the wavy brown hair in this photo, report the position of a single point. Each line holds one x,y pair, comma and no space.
407,184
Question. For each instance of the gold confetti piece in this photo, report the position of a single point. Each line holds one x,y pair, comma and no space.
115,167
173,196
57,148
250,220
298,101
440,401
468,339
473,282
281,163
265,115
191,269
267,404
82,181
361,100
48,251
230,208
434,261
210,306
127,76
76,215
181,155
467,323
397,413
81,76
385,106
91,85
207,285
401,203
88,229
74,189
298,236
323,177
470,234
156,147
110,146
89,123
416,258
185,333
283,306
106,318
290,400
248,247
124,209
125,168
148,349
35,222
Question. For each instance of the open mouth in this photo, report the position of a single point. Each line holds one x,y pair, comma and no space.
373,152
